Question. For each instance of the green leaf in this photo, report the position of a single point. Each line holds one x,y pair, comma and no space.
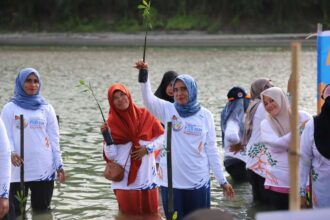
145,2
141,7
175,215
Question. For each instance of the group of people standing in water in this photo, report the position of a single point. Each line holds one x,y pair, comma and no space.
255,137
256,140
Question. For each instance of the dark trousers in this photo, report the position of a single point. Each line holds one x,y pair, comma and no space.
279,201
260,194
186,200
237,171
41,195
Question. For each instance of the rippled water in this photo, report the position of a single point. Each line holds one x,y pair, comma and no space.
86,194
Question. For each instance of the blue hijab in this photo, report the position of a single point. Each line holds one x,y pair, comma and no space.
23,100
192,107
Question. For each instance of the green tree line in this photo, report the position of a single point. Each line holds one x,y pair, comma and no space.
232,16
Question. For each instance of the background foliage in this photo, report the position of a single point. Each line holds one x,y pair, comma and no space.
228,16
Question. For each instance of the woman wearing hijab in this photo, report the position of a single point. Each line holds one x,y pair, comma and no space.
4,170
256,159
194,150
165,89
232,126
136,133
276,135
42,154
315,156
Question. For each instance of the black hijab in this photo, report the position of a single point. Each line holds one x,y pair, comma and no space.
322,129
161,91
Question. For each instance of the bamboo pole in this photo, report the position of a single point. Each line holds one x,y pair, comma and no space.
169,171
294,198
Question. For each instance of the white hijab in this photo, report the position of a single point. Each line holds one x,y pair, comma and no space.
281,122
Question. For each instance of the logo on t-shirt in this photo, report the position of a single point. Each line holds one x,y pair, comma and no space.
36,123
18,122
192,129
176,123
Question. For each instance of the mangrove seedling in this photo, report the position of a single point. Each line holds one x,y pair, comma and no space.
21,198
89,89
145,8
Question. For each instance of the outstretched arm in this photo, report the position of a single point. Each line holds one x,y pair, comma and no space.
154,104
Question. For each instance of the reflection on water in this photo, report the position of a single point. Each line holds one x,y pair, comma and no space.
86,194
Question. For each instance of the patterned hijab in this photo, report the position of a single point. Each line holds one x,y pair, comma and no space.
23,100
161,90
192,107
281,122
131,125
256,88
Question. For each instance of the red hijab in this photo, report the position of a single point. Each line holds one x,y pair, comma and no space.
131,125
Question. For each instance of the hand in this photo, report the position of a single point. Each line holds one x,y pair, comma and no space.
228,191
141,65
4,207
139,152
302,126
303,202
16,160
236,148
104,127
61,175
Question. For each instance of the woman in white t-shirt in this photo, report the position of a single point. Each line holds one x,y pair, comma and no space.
256,159
4,170
276,135
136,134
42,154
194,151
232,127
315,156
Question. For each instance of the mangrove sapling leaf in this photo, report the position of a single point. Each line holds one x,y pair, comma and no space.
175,215
21,198
89,90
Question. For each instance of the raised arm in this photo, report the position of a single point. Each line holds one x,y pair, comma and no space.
154,104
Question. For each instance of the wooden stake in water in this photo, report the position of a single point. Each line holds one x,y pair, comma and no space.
294,199
22,185
169,171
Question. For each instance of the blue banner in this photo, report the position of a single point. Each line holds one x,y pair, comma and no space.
323,64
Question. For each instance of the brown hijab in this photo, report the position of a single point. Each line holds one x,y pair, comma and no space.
281,122
256,88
